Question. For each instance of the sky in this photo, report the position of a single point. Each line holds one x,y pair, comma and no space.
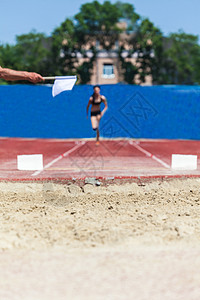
23,16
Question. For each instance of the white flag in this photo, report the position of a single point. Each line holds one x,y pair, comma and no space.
63,83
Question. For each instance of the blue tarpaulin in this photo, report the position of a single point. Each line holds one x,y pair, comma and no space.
160,112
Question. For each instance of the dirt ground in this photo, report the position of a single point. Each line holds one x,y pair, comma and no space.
130,241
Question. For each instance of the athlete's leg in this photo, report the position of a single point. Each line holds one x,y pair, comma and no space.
94,122
98,121
97,135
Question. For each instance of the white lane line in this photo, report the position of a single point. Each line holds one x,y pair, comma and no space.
59,158
147,153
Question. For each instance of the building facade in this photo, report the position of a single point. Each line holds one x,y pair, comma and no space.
107,70
107,66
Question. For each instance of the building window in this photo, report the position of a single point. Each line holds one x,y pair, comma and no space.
108,71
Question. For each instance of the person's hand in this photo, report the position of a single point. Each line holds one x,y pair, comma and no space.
34,77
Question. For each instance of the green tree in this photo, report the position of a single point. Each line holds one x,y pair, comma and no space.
99,23
96,27
127,12
149,51
65,48
8,56
183,57
31,51
95,18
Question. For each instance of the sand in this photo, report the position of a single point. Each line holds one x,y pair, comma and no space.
63,241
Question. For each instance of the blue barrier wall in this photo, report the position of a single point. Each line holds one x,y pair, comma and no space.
171,112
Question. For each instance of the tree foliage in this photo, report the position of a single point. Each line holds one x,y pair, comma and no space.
30,53
183,56
64,48
150,50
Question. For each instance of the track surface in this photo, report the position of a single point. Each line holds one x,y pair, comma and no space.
67,159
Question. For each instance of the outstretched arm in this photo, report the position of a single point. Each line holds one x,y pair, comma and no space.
11,75
106,106
89,102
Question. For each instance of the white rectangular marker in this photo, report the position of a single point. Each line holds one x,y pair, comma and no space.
184,162
30,162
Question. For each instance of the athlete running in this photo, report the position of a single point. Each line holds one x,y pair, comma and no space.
96,114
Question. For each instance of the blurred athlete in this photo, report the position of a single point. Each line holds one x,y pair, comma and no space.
11,75
96,114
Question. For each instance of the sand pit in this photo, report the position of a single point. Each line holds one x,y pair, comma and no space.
128,231
42,215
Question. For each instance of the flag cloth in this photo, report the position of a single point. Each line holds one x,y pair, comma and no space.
63,83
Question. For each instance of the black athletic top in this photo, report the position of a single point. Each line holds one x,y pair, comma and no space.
96,103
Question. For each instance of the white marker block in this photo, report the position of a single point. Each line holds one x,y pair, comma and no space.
184,162
30,162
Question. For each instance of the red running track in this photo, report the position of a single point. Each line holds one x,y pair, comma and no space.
67,159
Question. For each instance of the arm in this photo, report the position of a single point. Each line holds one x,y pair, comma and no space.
106,106
9,74
89,102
